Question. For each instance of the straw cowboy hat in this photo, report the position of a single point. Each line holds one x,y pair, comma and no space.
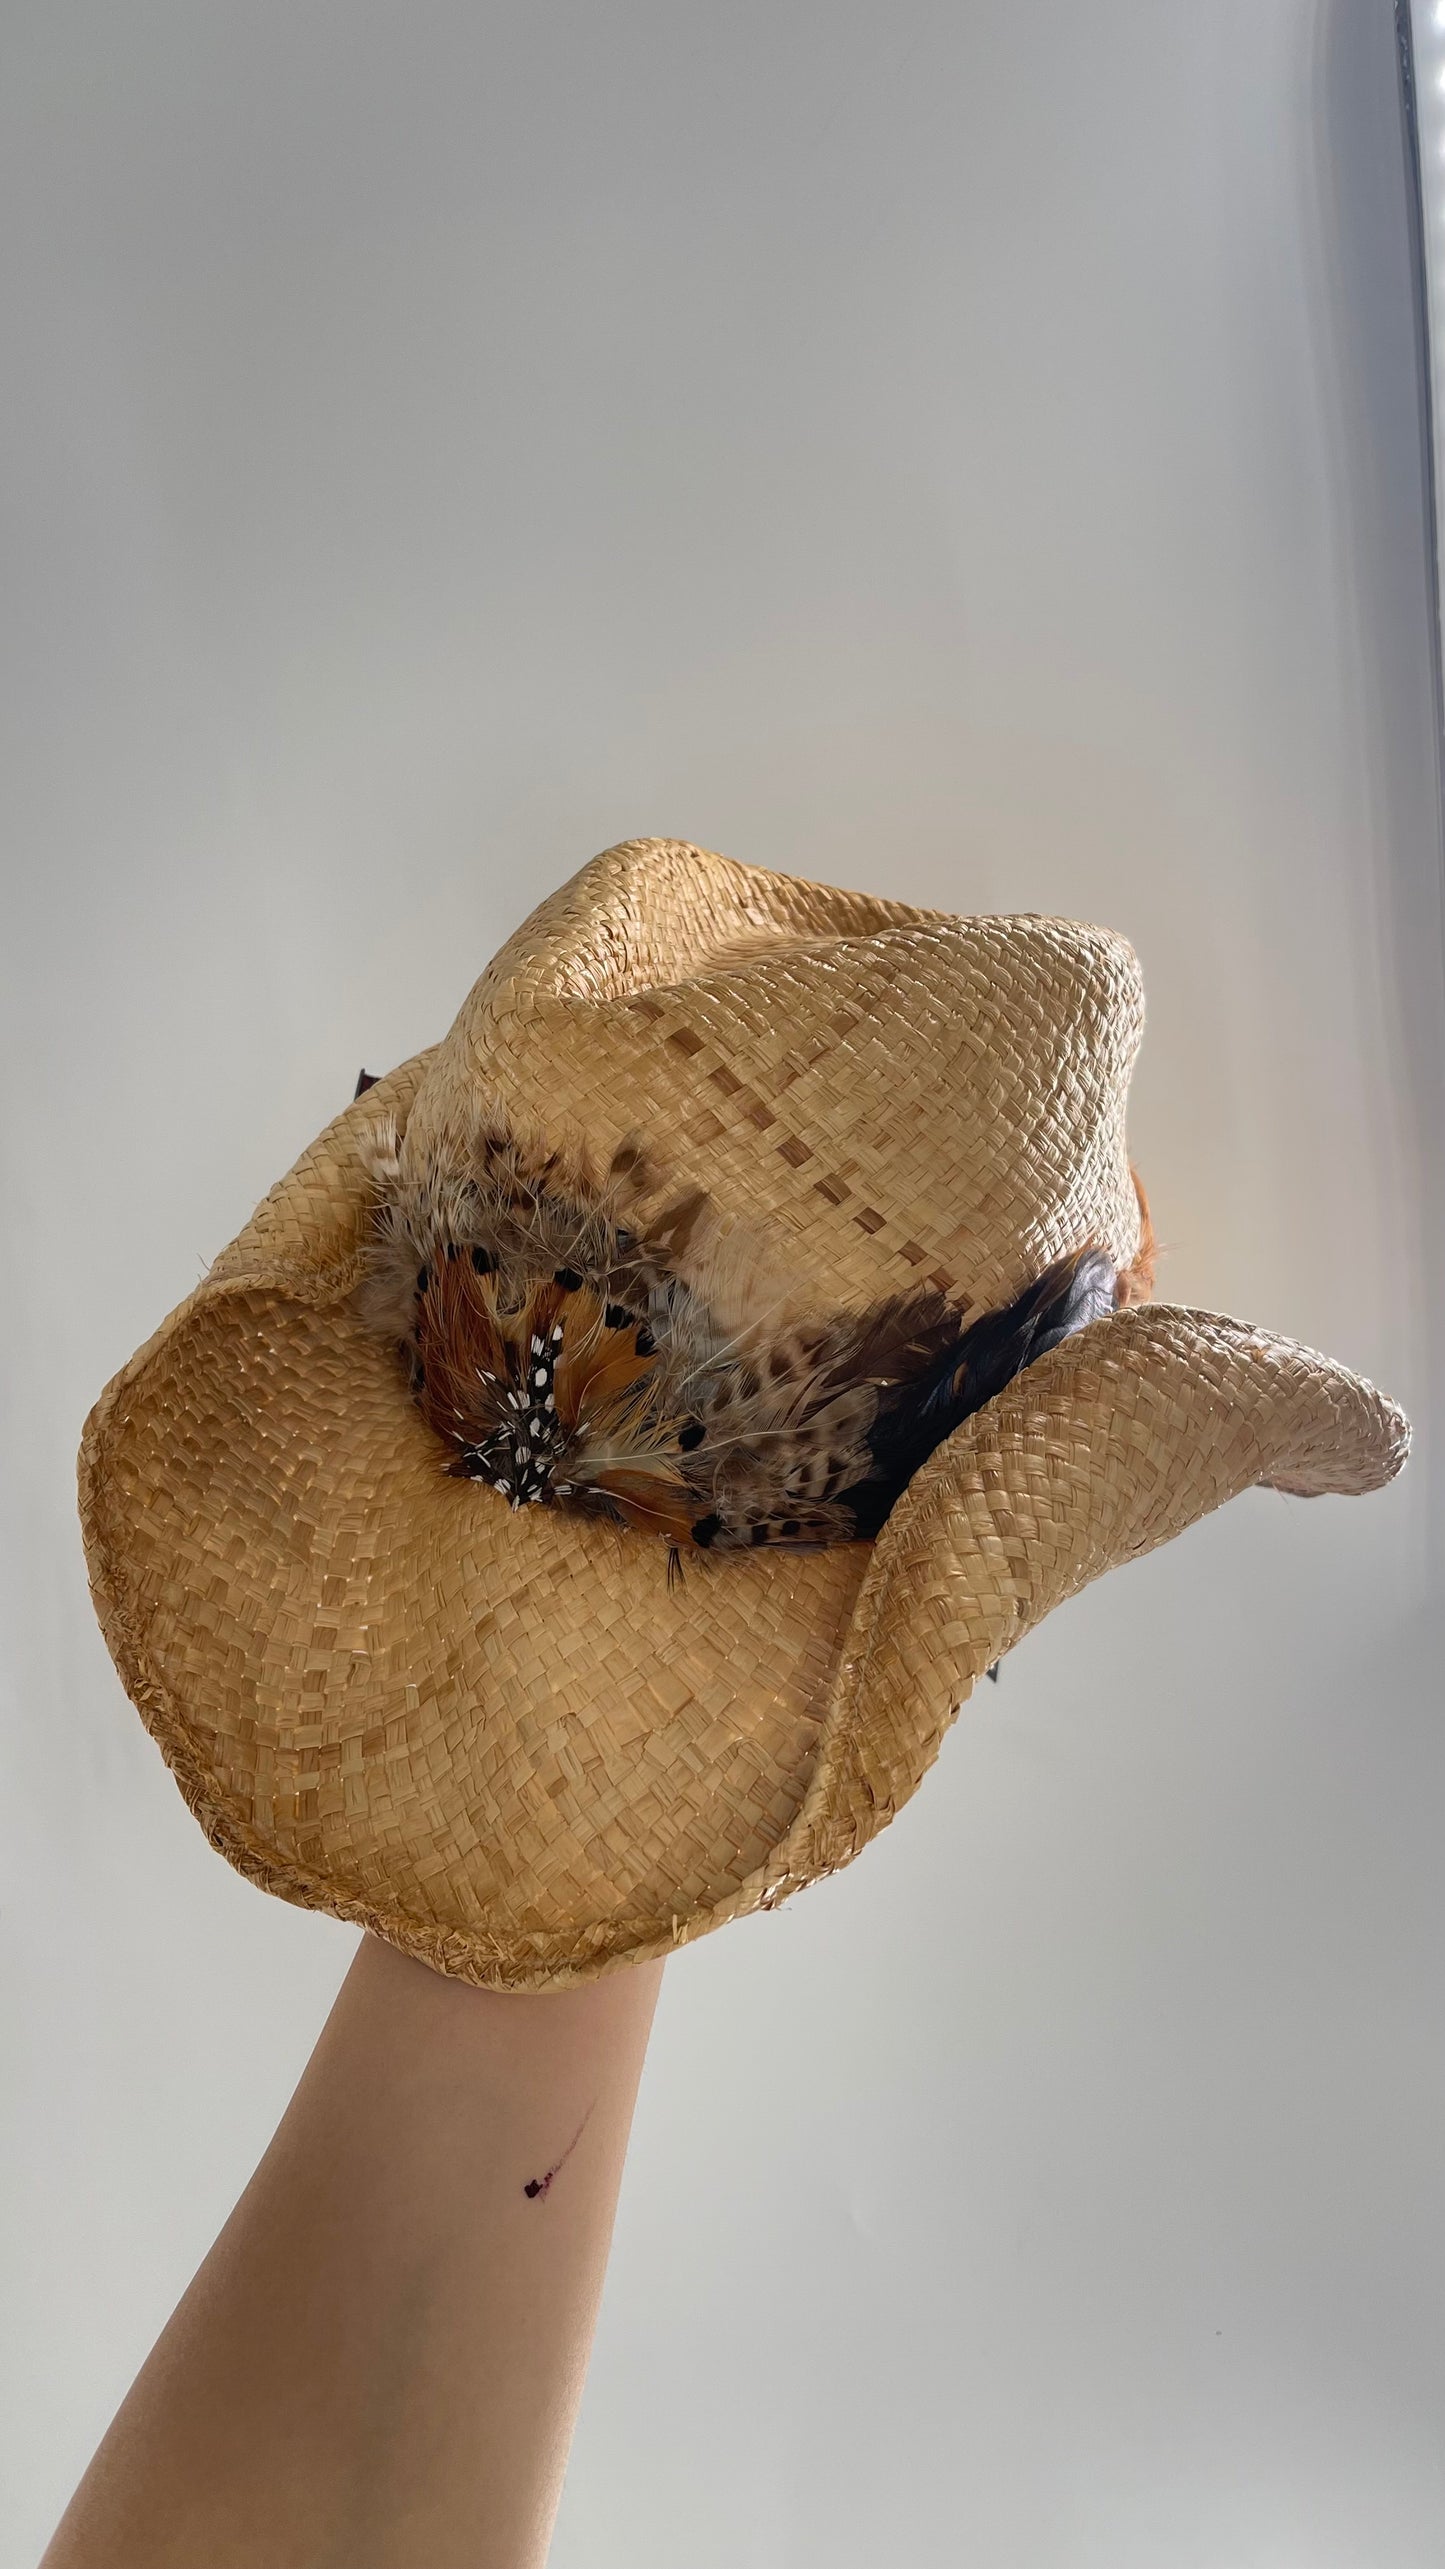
767,1232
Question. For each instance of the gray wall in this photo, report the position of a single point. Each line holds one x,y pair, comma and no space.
963,449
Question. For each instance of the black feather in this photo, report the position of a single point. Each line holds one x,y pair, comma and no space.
915,1416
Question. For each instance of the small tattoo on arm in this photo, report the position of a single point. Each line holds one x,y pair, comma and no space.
537,2186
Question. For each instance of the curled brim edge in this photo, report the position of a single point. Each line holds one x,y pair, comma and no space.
1103,1449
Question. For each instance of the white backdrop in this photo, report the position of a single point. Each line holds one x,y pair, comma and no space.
961,449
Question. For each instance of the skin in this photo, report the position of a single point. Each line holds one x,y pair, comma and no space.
379,2363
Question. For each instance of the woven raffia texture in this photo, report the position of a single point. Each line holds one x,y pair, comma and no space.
499,1739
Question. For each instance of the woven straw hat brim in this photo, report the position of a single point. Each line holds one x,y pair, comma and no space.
499,1739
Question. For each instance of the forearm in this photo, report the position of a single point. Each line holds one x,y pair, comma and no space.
379,2364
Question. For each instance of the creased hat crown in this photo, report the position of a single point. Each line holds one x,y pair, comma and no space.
904,1095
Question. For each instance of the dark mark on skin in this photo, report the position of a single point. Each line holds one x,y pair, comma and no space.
537,2186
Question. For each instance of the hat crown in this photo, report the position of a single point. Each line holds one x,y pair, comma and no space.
899,1095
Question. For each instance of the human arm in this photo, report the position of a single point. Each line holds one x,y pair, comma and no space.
379,2363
